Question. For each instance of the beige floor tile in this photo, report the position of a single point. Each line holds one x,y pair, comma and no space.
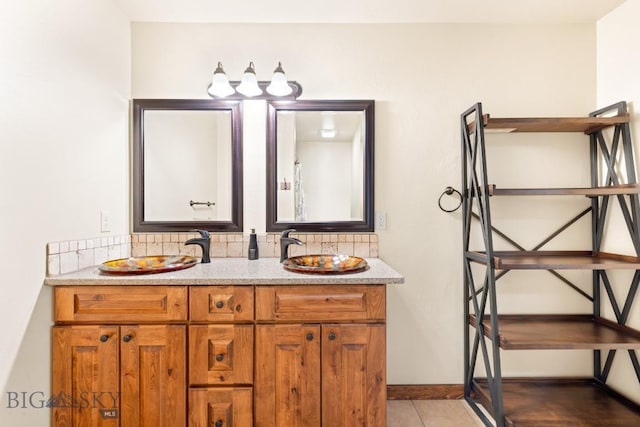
402,413
444,413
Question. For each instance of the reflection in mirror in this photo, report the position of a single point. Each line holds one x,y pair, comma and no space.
187,165
320,166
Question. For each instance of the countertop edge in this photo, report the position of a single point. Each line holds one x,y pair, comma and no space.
231,271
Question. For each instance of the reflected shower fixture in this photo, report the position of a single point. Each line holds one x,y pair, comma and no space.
251,88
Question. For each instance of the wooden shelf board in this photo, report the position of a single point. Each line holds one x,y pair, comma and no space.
555,402
589,192
550,124
549,332
558,260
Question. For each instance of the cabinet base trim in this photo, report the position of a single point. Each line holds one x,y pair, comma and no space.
424,391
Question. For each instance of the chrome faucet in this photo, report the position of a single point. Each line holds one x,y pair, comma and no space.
204,241
285,241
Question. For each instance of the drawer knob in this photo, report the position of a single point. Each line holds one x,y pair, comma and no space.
219,357
127,338
104,338
219,423
332,336
309,336
219,304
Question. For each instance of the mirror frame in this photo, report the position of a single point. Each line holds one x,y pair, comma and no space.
367,222
139,106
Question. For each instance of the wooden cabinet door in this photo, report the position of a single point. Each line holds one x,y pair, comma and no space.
221,407
353,375
287,379
153,378
85,389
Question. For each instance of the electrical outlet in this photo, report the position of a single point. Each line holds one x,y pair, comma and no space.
381,220
105,221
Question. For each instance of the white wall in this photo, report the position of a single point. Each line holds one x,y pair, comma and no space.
179,169
65,80
422,77
326,179
618,65
286,134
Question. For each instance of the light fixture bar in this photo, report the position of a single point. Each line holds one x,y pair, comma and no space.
250,88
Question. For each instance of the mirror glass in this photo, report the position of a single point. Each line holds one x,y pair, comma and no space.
187,165
320,165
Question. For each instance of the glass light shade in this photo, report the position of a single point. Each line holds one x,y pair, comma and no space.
249,84
279,85
220,86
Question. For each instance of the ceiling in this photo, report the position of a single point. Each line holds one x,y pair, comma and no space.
310,124
368,11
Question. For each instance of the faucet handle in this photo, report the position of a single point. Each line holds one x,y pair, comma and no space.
203,233
285,233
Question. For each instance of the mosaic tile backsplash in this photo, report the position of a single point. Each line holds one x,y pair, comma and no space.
237,245
73,255
69,256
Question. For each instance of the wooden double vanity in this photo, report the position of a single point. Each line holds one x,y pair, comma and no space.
232,343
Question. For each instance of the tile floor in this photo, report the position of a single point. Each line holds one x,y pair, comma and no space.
431,413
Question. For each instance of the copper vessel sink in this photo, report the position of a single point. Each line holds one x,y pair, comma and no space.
325,264
147,264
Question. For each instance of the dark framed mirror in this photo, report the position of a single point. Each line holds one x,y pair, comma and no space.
186,165
320,165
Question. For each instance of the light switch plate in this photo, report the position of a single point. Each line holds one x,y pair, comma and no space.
105,221
380,220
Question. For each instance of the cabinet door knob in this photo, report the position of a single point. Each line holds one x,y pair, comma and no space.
104,338
332,336
219,304
127,338
219,423
219,357
309,336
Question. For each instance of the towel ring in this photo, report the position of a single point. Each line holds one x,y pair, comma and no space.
449,191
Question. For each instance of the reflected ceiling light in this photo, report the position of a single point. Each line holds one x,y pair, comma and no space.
279,85
220,83
328,133
249,84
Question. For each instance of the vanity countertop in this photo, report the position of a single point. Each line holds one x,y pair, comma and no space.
233,271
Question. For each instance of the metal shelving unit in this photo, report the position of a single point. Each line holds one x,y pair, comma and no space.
549,401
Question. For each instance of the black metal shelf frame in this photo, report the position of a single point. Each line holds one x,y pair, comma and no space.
612,164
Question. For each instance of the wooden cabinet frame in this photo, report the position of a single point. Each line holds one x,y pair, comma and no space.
204,356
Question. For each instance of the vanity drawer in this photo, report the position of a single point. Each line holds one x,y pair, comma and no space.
320,303
226,407
109,304
221,303
220,354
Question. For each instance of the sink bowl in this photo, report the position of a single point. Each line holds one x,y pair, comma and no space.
325,264
148,264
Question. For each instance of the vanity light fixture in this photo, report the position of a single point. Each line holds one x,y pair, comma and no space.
279,85
220,86
249,87
249,84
